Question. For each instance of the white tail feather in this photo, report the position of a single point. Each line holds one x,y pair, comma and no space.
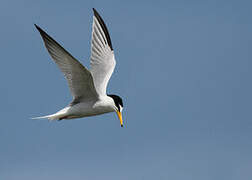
50,117
56,116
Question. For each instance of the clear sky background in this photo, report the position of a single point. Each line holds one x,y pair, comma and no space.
183,71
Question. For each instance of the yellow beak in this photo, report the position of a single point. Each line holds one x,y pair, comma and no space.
119,114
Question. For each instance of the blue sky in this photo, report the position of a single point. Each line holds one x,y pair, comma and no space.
183,71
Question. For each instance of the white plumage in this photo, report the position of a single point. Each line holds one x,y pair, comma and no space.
88,88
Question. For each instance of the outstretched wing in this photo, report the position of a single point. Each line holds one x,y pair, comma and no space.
102,55
79,79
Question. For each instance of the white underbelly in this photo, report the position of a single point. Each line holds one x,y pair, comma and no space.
87,109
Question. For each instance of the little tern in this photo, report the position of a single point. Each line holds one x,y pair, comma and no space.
88,87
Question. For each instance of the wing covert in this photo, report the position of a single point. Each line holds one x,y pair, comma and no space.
79,79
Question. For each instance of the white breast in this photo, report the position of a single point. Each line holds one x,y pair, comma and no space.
83,109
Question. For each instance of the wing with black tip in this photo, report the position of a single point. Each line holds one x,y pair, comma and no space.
102,55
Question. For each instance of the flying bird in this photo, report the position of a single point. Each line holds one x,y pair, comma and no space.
88,87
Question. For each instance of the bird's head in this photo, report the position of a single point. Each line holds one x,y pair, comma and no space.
118,106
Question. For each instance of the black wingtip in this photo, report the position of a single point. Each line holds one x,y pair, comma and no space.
104,27
95,12
43,33
121,125
38,28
